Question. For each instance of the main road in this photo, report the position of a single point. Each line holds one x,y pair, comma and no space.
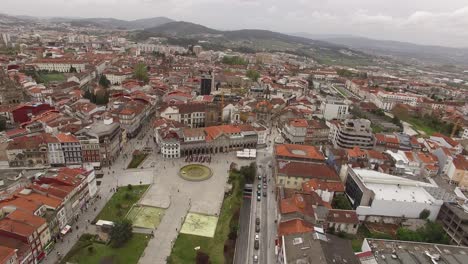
265,209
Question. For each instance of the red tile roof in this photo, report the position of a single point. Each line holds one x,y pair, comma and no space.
26,217
316,184
6,254
21,203
307,170
295,122
67,138
295,226
461,163
356,152
342,216
298,151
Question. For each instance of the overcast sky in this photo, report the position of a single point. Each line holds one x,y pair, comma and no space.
419,21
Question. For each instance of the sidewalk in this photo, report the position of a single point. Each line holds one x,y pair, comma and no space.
159,247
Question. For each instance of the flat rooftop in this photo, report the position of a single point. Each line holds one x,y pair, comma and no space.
316,248
389,187
406,252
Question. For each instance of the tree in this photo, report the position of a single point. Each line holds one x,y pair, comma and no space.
431,232
72,69
121,232
101,97
310,80
341,202
234,60
141,72
202,258
249,172
253,75
424,214
2,123
90,250
104,82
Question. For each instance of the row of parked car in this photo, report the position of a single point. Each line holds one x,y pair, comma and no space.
259,188
257,238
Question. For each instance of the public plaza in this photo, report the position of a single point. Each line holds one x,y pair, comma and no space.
196,203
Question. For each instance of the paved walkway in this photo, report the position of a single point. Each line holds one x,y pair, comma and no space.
159,248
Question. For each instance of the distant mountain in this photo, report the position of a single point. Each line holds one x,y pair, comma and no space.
181,28
149,22
187,30
402,50
13,20
254,40
112,23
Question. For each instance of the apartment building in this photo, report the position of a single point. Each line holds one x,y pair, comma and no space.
295,131
131,115
334,108
353,133
454,219
71,148
387,100
109,135
190,114
27,151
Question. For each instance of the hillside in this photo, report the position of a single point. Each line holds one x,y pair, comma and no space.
254,40
405,51
112,23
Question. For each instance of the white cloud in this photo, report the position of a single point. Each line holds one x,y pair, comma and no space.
422,21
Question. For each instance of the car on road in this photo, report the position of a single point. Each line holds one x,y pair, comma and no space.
264,194
264,179
257,228
264,186
257,220
257,237
259,198
259,177
256,244
259,186
259,192
255,258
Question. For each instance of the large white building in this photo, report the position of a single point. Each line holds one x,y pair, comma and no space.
387,100
380,197
334,108
60,65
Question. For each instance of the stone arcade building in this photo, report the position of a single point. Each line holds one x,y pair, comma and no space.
175,141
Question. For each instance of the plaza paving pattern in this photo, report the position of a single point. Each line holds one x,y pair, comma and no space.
146,216
199,225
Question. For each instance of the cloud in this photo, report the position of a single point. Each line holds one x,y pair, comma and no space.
421,21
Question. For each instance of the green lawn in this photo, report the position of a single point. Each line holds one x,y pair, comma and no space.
419,124
121,202
183,250
128,254
137,160
52,77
